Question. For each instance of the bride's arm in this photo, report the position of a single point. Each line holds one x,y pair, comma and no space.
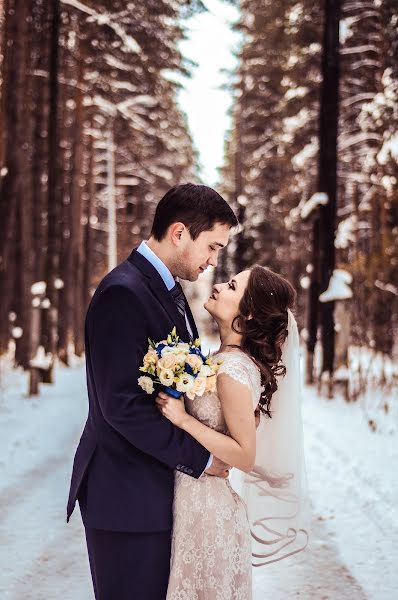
239,450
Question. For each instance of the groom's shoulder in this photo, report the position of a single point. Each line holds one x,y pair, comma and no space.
124,279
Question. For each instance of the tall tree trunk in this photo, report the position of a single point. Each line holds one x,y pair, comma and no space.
53,206
40,137
88,237
25,274
327,182
5,31
15,189
64,119
313,301
111,197
76,238
12,83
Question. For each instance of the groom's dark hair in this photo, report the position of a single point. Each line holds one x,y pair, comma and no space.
197,206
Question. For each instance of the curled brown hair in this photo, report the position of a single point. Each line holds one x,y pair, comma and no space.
262,322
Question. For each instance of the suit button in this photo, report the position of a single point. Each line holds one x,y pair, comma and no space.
189,471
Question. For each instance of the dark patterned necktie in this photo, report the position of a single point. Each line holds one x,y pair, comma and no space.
179,298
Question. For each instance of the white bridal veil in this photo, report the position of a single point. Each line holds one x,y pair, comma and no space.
275,492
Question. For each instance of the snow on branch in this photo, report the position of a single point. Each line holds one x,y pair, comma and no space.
389,148
41,360
386,287
359,138
316,200
360,49
38,288
117,64
346,232
129,42
338,288
361,97
307,153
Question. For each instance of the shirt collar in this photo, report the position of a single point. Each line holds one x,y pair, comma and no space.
159,265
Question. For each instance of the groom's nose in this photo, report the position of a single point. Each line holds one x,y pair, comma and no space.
212,261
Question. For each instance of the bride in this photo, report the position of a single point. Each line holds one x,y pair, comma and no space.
251,421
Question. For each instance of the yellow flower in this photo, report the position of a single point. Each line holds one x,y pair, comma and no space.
211,383
146,384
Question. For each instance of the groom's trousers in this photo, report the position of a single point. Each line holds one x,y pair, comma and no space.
129,566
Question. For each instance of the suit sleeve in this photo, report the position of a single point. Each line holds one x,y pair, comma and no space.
118,340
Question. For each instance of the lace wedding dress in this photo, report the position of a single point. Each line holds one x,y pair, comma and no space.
211,542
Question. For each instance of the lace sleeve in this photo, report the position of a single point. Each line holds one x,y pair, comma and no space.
241,368
236,369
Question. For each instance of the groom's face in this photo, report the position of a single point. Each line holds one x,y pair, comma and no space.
194,256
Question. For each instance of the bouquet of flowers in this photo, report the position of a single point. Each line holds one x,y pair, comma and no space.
180,367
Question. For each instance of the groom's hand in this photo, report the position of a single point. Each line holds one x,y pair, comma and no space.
218,468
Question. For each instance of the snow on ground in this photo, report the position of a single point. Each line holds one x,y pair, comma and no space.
41,557
352,478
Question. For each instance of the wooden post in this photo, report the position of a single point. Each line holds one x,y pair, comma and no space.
34,378
343,326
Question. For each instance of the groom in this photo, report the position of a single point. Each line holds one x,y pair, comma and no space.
123,472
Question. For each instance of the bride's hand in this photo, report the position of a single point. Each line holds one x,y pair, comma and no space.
172,409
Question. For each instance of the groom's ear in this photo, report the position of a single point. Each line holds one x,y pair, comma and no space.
176,232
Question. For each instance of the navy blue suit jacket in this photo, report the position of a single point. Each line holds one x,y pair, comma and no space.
123,471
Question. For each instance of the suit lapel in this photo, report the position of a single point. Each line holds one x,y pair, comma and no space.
161,292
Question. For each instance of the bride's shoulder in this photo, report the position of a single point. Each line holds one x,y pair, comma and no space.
237,361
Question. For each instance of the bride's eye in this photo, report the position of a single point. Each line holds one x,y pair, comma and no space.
231,285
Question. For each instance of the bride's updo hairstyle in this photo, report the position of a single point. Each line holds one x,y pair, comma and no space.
262,322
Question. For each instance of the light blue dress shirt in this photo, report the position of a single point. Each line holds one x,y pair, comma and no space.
163,271
169,282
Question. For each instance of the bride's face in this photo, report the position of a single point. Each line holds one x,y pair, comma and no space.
223,303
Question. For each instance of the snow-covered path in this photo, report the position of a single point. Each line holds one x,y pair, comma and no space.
351,478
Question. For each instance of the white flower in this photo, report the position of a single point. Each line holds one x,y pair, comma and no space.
198,388
174,351
146,384
185,383
166,376
183,347
205,371
168,350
